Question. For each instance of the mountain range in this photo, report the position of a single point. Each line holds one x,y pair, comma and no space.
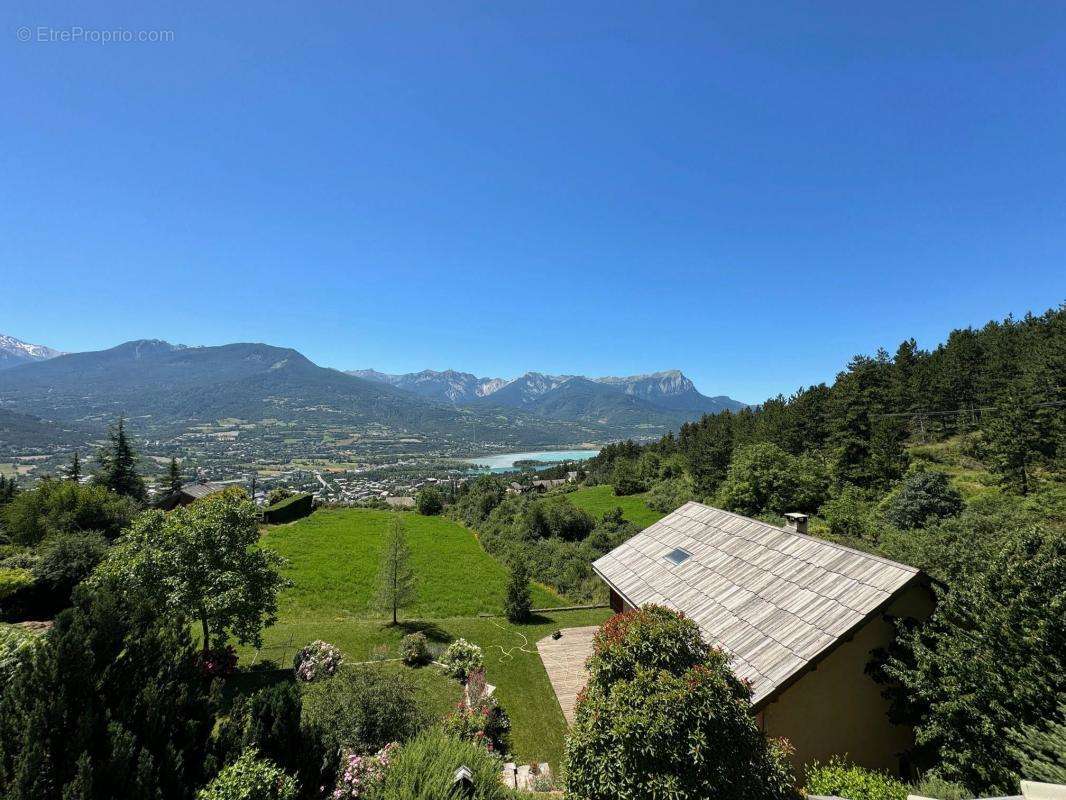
607,399
170,388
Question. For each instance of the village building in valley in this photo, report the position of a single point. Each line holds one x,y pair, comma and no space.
799,616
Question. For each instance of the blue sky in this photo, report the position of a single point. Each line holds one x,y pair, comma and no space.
749,192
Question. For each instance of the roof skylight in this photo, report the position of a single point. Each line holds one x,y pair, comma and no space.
678,556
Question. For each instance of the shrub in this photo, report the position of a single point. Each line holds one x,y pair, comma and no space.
269,721
360,776
14,579
669,495
278,494
518,604
921,498
688,736
461,658
934,786
651,638
424,769
66,559
626,479
16,645
317,660
849,514
429,501
414,648
63,507
844,779
363,709
289,509
219,662
250,778
478,718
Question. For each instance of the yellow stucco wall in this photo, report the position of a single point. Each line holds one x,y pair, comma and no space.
837,709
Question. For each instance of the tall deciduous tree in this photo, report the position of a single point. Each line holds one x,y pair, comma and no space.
396,579
202,560
118,465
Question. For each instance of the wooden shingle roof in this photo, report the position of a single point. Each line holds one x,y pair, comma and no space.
775,600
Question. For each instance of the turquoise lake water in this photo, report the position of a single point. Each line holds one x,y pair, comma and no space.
504,462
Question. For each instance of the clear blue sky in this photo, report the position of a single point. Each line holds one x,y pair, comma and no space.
749,194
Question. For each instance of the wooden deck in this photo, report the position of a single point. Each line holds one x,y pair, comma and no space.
564,659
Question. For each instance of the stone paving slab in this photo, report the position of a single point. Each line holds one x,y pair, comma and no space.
564,659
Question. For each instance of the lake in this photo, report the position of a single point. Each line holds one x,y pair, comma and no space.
504,462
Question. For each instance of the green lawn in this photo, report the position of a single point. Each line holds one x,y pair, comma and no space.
598,499
332,562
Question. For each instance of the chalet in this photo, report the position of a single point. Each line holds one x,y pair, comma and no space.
189,493
800,618
548,485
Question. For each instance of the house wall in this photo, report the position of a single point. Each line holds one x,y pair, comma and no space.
837,709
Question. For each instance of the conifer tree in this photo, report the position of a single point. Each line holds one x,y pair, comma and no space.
173,480
118,465
74,470
396,580
518,604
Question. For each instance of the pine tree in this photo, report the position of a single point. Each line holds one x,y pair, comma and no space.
396,580
173,484
518,605
118,465
74,470
1041,749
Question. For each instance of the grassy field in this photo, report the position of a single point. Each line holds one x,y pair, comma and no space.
598,499
332,563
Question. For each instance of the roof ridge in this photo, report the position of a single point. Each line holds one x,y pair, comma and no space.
805,536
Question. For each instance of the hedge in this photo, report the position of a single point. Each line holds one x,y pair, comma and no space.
295,507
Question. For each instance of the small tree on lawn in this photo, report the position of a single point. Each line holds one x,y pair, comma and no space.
203,560
664,716
396,580
518,604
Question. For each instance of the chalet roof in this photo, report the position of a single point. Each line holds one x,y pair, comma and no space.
198,490
776,600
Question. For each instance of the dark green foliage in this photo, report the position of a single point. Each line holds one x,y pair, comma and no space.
363,709
172,483
65,560
556,517
920,498
292,507
53,507
8,489
518,603
840,778
1040,749
429,501
663,715
74,470
849,514
763,477
250,777
626,479
111,706
118,465
992,658
670,494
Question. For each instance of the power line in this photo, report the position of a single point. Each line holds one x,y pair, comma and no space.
969,410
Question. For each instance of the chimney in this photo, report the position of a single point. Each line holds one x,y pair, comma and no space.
796,522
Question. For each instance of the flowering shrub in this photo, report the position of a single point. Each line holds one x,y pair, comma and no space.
316,660
219,662
414,649
359,775
478,718
461,658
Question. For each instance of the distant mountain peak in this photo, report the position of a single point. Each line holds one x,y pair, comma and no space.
15,351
